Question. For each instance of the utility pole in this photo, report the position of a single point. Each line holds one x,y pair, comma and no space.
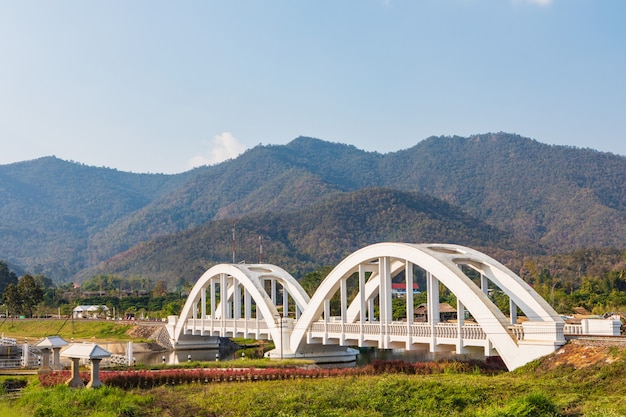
233,241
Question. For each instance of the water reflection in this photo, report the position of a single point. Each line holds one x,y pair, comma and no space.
365,356
180,356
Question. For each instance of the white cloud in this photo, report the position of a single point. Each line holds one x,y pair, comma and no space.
538,2
224,146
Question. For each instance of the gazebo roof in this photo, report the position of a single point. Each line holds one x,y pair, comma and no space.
51,342
85,351
443,308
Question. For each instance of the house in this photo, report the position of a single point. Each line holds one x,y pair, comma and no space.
446,312
398,290
90,312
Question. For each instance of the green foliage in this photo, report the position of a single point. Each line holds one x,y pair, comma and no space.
320,235
24,296
313,279
79,329
62,401
593,391
74,216
6,276
532,405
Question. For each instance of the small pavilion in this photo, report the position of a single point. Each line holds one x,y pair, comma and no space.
91,351
54,343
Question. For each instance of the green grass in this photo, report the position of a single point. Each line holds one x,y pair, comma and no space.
79,329
593,392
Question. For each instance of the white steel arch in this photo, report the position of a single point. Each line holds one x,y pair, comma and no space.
311,326
251,278
442,264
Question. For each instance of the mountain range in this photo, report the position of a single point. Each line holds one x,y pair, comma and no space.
311,202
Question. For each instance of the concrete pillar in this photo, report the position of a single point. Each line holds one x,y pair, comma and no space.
223,300
56,359
408,273
25,354
363,314
344,299
203,305
433,308
460,322
433,299
362,306
95,374
75,381
45,362
129,354
285,301
247,305
385,290
273,290
237,300
484,284
513,311
326,310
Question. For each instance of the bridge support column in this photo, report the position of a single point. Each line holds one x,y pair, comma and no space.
384,299
285,301
460,322
213,298
344,302
540,339
202,309
513,311
484,284
432,288
326,320
247,309
362,307
223,301
408,274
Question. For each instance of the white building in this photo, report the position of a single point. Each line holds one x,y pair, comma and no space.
90,312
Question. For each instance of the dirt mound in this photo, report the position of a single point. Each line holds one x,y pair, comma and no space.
583,353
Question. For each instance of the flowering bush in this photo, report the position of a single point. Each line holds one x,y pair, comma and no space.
153,378
60,377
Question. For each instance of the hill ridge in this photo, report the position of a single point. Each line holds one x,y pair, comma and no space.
562,197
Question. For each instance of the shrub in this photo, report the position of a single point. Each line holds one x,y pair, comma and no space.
531,405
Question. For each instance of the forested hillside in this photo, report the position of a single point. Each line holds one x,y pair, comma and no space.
61,218
50,208
320,235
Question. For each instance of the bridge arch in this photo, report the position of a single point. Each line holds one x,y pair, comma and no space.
442,263
231,278
312,330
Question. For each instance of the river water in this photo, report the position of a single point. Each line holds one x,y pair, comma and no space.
365,356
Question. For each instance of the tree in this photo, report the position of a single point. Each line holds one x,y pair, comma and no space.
6,277
12,299
24,296
160,289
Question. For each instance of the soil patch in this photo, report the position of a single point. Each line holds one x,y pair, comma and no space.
581,353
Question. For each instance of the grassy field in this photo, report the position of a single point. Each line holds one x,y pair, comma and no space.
95,330
594,391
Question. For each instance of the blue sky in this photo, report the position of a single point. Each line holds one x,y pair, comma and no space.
162,86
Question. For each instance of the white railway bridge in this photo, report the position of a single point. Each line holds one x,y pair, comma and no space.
265,302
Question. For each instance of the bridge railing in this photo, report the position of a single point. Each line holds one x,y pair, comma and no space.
401,329
573,329
8,341
227,326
